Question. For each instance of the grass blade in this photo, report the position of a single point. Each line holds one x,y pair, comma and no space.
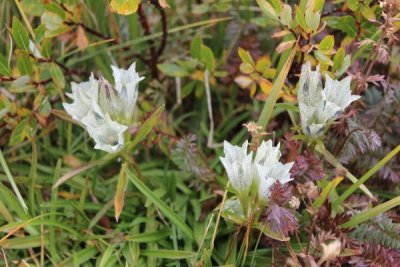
167,211
371,213
325,193
276,87
12,182
366,176
168,254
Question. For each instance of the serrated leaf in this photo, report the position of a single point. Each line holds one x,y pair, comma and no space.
20,34
173,70
124,7
327,43
4,69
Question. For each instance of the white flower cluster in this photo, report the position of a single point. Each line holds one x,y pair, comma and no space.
261,173
105,111
318,106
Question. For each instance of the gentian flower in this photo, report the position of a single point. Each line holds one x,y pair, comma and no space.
260,173
319,106
106,112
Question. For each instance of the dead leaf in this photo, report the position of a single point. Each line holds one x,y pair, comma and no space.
81,39
284,46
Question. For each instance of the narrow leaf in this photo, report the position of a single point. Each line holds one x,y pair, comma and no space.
371,213
366,176
164,208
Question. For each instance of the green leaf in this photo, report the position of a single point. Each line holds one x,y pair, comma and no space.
338,59
265,229
346,24
146,127
148,237
168,254
286,15
20,132
301,19
325,193
24,242
312,19
10,178
124,7
208,57
39,33
368,13
371,213
319,5
322,58
57,75
164,208
276,87
345,65
267,9
20,34
173,70
353,4
277,5
25,64
195,47
366,176
327,43
4,69
335,163
245,56
45,107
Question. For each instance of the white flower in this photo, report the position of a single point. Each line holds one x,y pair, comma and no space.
238,165
318,106
338,92
126,84
104,111
260,173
